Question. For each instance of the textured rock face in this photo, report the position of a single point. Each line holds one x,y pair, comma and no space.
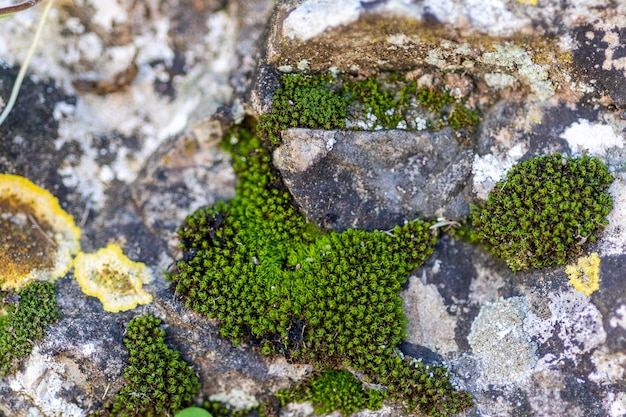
129,165
374,180
570,51
546,78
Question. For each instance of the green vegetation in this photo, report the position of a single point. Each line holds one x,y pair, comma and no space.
304,101
220,409
370,97
544,210
22,321
457,114
387,102
193,412
159,382
334,390
327,298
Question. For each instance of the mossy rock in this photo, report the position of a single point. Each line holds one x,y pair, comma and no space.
291,288
321,101
158,381
545,210
23,318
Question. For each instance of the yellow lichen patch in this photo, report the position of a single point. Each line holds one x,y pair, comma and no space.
585,275
38,238
533,2
113,278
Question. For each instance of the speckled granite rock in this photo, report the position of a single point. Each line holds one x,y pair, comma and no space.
130,164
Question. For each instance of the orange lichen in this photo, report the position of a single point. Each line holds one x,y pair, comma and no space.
38,239
113,278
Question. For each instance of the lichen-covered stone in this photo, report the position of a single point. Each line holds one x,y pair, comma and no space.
38,238
113,278
545,75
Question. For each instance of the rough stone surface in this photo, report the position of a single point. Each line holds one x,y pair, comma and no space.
374,180
130,159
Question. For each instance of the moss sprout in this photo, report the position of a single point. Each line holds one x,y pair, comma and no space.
312,101
545,210
158,381
327,298
23,317
334,390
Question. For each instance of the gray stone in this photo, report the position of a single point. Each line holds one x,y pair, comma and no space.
374,180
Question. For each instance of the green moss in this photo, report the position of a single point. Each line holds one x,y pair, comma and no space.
462,117
23,318
220,409
158,381
545,210
312,101
447,109
324,297
433,99
334,390
385,102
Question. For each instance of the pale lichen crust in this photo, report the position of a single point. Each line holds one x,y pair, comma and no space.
39,239
113,278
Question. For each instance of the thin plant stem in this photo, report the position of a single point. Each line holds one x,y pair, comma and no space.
4,11
20,76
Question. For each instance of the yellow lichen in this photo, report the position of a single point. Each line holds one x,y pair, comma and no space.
38,238
585,275
113,278
533,2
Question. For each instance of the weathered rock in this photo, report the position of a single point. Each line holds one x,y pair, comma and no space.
374,180
131,164
547,48
524,343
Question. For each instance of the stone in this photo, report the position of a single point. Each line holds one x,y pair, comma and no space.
374,180
501,44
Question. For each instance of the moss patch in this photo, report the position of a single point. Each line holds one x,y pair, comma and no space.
23,317
305,101
334,390
323,297
158,381
545,210
386,102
